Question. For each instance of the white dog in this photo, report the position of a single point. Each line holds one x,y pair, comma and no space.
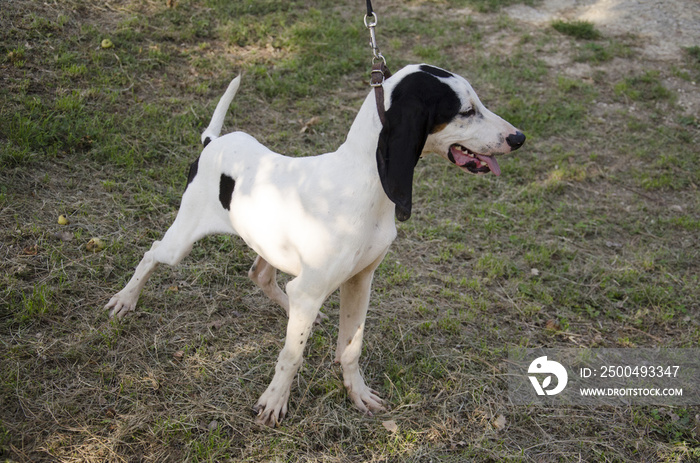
328,220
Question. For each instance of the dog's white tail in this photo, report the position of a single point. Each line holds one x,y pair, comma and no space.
217,120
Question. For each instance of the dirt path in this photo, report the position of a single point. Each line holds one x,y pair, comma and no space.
665,26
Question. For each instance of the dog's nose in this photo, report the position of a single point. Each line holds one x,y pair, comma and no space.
515,140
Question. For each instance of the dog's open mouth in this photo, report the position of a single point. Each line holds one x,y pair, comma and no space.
473,162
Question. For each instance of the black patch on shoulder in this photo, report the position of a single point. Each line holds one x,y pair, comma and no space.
226,186
437,72
206,142
192,173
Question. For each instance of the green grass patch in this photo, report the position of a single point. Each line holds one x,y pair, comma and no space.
491,6
602,52
693,52
581,30
644,87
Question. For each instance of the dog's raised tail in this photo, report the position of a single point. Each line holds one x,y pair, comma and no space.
217,120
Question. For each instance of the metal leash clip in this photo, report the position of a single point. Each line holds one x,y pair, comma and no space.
371,23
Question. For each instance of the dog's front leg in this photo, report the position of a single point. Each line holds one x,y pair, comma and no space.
354,302
265,276
303,309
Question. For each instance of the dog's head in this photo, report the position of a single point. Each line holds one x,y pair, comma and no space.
434,111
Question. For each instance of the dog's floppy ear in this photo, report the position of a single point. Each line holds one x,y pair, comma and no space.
400,145
418,103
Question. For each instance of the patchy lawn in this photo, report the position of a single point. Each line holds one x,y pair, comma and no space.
588,239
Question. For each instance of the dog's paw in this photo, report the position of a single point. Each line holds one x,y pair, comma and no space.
368,401
365,398
271,408
120,305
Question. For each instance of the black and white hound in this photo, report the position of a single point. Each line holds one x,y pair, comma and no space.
328,220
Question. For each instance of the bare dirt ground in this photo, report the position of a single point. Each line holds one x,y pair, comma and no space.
663,27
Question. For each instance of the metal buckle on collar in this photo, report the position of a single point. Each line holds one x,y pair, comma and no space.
377,81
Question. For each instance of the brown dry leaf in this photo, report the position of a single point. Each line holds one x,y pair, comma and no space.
390,426
553,325
31,250
151,381
216,324
310,123
499,422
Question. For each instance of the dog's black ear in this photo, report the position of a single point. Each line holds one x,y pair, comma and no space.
419,103
400,145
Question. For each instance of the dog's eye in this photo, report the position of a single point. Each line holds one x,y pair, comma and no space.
468,113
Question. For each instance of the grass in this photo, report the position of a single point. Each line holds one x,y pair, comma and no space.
582,30
588,239
645,87
491,6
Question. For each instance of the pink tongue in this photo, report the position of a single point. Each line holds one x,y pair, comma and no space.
491,162
462,159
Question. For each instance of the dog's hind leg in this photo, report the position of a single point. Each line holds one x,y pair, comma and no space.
265,276
192,223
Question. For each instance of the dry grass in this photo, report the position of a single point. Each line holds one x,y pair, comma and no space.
602,201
